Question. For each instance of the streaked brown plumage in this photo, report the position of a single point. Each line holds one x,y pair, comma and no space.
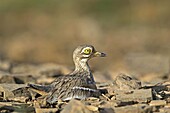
79,84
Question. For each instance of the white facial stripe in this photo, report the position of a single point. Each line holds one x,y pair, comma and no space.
84,60
86,55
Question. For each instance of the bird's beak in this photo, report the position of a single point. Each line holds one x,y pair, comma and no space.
99,54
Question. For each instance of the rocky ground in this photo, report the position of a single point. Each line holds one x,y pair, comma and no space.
124,94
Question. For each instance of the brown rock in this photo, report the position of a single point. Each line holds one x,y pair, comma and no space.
75,106
142,95
157,103
16,107
126,82
92,99
92,108
108,104
7,89
138,108
164,110
107,110
167,106
46,110
7,79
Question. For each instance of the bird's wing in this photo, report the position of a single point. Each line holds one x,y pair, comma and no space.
40,89
68,87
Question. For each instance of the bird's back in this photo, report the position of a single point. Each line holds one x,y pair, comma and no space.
78,86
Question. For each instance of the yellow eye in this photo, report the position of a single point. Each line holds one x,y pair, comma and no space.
87,51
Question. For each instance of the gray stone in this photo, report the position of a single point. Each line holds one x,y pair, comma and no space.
46,110
7,89
141,95
16,107
75,106
127,82
157,103
138,108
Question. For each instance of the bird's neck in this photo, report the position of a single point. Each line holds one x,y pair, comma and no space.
82,66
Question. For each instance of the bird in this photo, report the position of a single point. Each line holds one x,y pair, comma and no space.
78,84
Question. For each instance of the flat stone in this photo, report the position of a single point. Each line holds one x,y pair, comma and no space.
92,99
75,106
157,103
7,89
16,107
107,110
138,108
164,110
109,104
141,95
92,108
46,110
167,105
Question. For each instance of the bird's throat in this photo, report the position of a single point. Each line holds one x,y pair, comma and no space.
82,66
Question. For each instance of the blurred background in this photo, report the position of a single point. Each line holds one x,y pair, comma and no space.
134,34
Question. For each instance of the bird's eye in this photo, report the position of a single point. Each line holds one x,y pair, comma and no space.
87,51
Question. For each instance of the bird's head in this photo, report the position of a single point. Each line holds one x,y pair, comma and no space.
85,52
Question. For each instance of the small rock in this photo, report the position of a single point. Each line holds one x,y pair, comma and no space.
109,104
16,107
157,103
167,105
107,110
75,106
7,79
164,110
92,108
46,110
126,82
92,99
7,89
21,99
